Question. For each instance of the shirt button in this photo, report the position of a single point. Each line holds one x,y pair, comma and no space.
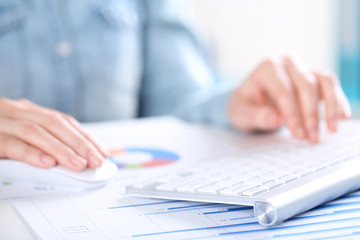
63,49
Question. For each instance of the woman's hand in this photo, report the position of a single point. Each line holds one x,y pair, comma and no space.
44,138
284,91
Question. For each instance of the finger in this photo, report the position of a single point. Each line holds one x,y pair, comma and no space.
59,127
50,116
260,117
346,109
251,117
14,148
105,153
38,137
13,109
307,90
279,88
329,87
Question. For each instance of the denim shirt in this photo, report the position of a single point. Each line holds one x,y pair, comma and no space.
107,59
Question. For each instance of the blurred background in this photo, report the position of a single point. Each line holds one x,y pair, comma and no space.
323,33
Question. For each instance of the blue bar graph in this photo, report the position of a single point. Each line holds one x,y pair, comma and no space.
338,212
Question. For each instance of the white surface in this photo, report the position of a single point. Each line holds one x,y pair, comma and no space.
57,178
12,227
165,133
109,214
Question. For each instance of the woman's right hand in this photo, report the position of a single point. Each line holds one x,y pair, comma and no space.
44,137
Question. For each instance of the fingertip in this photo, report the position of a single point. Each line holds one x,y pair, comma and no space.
346,113
345,108
77,163
313,135
95,159
47,161
296,127
288,60
299,132
268,119
332,123
104,152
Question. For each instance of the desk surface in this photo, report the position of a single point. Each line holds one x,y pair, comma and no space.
12,227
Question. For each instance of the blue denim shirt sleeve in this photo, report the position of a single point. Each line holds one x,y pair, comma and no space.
107,59
178,78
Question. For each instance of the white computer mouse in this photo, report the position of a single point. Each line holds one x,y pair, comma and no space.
58,176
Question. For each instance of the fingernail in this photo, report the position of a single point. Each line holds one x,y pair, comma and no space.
78,162
346,113
313,135
299,132
96,159
47,160
271,120
333,124
105,152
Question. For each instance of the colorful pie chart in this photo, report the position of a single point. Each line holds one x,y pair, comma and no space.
137,158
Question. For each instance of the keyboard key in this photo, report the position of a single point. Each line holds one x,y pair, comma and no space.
167,178
169,187
258,180
217,177
237,190
303,172
146,185
253,191
317,167
228,182
290,168
192,187
274,175
210,189
272,185
287,178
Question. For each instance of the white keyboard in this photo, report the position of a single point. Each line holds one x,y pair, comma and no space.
279,178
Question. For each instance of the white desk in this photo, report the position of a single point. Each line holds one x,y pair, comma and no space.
11,225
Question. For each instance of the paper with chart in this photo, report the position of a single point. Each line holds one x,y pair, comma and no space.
144,149
107,214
